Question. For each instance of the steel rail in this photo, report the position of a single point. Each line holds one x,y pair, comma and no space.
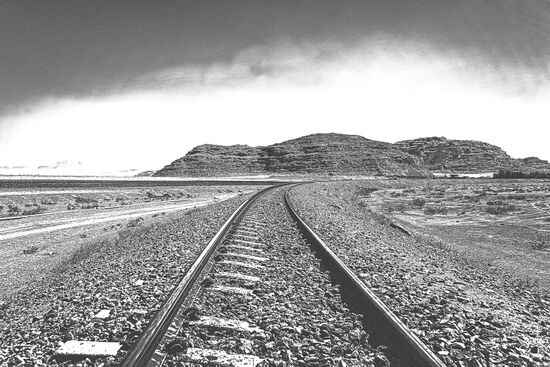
145,347
420,354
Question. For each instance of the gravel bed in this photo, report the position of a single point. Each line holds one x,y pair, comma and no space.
130,277
296,303
467,315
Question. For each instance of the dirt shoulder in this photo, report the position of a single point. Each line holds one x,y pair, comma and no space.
129,275
464,313
31,247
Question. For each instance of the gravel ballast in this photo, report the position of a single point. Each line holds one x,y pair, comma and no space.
468,316
123,281
297,313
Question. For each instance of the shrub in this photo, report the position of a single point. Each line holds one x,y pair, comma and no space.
432,209
519,174
135,222
13,209
90,206
395,207
499,207
418,202
542,241
30,250
33,211
365,191
83,200
541,246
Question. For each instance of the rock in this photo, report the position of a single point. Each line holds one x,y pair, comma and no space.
317,153
339,154
192,313
466,156
103,314
177,345
381,361
145,174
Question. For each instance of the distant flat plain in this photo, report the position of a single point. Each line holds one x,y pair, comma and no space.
40,227
503,225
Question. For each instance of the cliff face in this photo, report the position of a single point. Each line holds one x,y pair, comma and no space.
313,154
216,160
338,154
467,156
531,164
464,156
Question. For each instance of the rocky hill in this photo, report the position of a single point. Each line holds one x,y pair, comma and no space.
467,156
146,174
531,164
464,156
339,154
313,154
217,160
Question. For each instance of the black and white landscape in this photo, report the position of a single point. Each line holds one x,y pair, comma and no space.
274,183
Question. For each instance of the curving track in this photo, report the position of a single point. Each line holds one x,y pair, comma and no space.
266,290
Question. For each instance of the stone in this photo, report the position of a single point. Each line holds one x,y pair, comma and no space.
88,348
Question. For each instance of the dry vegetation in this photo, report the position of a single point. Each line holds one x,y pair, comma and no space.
502,225
34,202
471,284
25,259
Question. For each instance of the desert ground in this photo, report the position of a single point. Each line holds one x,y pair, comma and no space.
504,226
462,262
42,227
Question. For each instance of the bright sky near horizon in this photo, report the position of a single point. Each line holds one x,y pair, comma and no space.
120,87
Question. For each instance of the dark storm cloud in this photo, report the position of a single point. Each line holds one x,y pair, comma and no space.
83,48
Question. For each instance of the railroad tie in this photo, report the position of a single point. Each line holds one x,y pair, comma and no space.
253,222
245,248
250,227
242,264
245,231
88,348
248,257
234,290
221,358
226,324
246,236
239,276
249,242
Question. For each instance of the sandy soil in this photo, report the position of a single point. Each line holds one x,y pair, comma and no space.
467,312
129,274
32,246
501,224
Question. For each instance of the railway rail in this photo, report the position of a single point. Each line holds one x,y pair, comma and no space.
266,290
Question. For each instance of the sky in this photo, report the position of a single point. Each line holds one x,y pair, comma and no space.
97,87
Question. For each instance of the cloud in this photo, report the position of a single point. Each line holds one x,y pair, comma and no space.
272,93
307,62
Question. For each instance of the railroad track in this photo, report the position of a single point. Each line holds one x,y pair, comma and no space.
266,290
